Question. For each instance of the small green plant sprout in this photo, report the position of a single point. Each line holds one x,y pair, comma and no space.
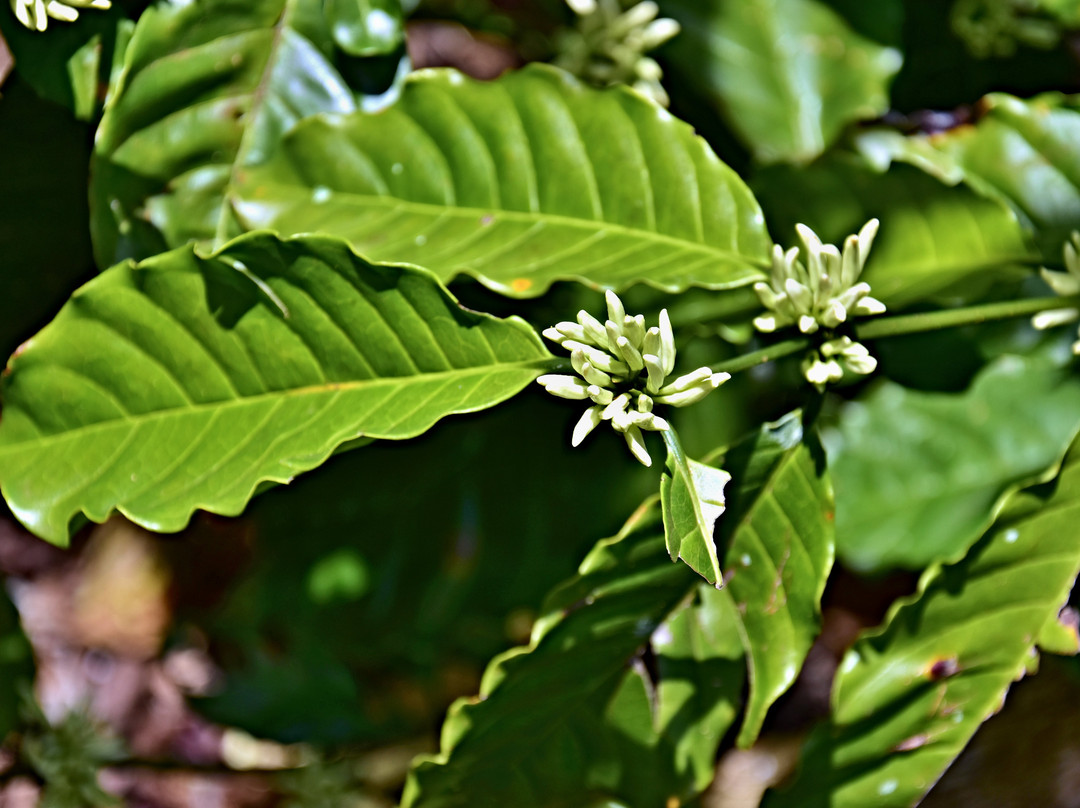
623,369
1066,284
608,45
819,296
34,14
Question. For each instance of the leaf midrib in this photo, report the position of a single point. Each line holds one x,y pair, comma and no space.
432,209
313,390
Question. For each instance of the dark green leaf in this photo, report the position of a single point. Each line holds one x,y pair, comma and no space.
926,497
576,715
183,382
16,665
788,75
692,496
908,698
933,237
520,182
207,90
1026,153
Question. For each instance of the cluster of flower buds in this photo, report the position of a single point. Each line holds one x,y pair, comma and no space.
34,14
1066,284
822,293
827,362
623,369
608,46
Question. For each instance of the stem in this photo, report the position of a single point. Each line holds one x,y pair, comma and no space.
953,318
762,355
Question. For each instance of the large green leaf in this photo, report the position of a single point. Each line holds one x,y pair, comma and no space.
1026,153
574,716
16,665
778,532
926,497
932,236
206,90
908,699
788,75
185,381
692,496
520,182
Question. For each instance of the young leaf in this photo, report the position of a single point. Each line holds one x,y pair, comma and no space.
927,497
788,75
933,237
576,716
519,182
1026,153
910,696
778,532
692,495
206,90
185,381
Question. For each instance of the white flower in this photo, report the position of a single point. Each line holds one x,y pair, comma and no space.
34,14
608,45
1066,284
623,369
823,292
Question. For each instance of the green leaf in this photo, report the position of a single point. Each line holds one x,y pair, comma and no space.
925,498
16,665
933,237
909,697
365,27
575,716
519,182
1025,153
778,532
788,75
185,381
206,90
692,495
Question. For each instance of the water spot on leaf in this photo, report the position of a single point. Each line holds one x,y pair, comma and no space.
397,168
320,194
421,240
888,787
914,742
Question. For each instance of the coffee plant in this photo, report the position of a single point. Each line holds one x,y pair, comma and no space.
816,262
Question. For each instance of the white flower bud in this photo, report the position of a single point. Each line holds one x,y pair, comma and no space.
1054,317
59,11
616,312
582,7
590,419
634,329
651,343
658,32
573,331
637,446
656,372
618,405
597,358
570,387
630,354
688,380
600,395
594,329
667,344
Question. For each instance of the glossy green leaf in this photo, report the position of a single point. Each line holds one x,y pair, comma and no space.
576,716
16,665
1026,153
926,497
184,381
788,75
519,182
365,27
692,497
778,534
206,90
908,698
933,237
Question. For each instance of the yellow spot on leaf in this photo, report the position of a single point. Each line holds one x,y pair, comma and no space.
521,284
